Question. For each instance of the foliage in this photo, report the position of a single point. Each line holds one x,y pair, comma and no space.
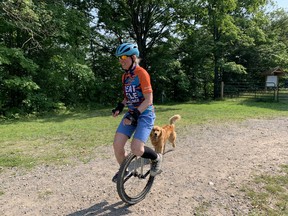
145,22
43,54
16,75
61,52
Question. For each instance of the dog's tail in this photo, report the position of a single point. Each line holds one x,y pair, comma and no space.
174,118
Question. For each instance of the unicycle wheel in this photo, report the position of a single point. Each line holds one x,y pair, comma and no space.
134,180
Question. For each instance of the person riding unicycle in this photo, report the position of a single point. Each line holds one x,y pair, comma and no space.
139,120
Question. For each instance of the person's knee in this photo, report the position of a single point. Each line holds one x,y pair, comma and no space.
137,151
137,148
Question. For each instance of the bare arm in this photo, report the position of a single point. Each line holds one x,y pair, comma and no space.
147,102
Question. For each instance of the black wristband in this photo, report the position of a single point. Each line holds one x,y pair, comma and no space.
119,107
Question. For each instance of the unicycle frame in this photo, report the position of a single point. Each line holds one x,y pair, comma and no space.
136,171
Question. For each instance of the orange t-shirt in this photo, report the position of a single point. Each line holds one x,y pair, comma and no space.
135,85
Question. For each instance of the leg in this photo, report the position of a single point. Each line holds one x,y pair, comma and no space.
137,147
118,145
163,148
158,149
172,139
141,135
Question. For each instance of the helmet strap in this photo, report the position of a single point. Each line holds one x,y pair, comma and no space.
131,66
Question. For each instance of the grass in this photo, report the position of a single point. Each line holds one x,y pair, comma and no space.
269,193
62,138
54,138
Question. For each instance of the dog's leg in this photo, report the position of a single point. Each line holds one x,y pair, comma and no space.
158,149
172,139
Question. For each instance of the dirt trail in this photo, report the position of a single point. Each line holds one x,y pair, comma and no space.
203,175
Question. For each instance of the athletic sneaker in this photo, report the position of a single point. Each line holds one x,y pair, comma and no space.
156,165
115,177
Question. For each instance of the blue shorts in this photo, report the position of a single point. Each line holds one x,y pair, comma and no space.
142,130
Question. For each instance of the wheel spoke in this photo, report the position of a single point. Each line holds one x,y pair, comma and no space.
134,187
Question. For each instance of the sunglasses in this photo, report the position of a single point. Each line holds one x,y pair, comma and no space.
124,57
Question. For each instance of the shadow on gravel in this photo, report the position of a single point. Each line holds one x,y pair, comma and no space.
104,208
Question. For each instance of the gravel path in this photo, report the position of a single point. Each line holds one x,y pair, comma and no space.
202,176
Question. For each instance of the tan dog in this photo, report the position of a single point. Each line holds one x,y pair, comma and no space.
160,135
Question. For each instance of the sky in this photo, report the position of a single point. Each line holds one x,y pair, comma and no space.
282,4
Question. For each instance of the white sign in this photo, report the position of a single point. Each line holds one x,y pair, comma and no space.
272,81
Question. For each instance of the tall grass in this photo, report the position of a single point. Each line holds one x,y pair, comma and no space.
61,138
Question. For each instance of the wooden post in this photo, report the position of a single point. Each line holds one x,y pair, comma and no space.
222,90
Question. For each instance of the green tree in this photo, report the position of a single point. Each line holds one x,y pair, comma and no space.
217,28
145,22
44,54
18,31
55,51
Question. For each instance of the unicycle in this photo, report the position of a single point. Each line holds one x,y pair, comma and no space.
134,180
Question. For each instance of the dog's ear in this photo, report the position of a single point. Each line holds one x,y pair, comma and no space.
152,131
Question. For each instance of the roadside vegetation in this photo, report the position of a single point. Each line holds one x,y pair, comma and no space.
269,193
75,135
56,54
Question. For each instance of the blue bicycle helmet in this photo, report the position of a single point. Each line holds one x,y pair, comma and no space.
127,49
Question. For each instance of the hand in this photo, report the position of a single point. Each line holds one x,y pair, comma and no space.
132,117
117,110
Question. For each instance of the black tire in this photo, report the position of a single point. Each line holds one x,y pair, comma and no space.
134,187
